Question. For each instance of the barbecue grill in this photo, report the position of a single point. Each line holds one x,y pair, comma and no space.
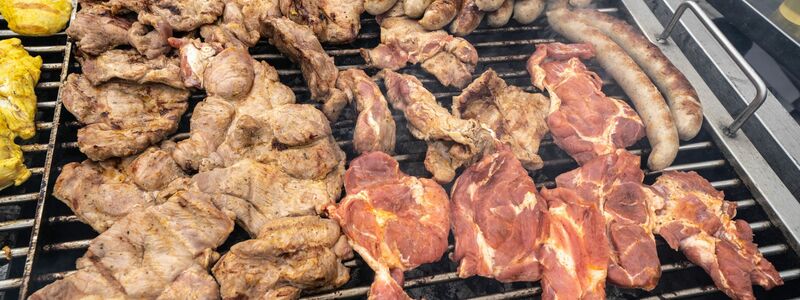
44,238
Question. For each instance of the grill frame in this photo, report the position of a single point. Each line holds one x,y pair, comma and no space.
751,170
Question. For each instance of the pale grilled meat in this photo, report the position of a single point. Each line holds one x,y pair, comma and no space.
129,65
95,30
375,127
335,22
122,118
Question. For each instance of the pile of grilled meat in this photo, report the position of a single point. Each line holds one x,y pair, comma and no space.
256,158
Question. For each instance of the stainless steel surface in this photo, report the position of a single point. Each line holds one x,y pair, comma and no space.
62,239
761,87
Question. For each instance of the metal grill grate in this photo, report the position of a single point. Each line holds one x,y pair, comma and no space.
62,239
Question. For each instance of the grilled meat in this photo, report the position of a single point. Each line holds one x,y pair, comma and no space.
375,128
574,263
150,42
516,117
301,46
450,59
241,23
335,22
162,251
452,142
584,122
131,66
394,221
183,15
95,30
497,220
438,14
614,183
101,193
698,221
468,18
122,118
36,17
290,255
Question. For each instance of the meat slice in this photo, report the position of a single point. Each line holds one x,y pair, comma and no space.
583,121
301,46
241,22
574,263
181,15
335,22
614,183
131,66
291,255
450,59
151,42
228,73
394,221
122,118
100,193
375,128
516,117
162,251
95,30
698,221
497,220
452,142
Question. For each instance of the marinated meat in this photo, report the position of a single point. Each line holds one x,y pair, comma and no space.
241,23
394,221
698,221
162,251
574,264
452,142
335,22
150,42
516,117
301,46
583,121
290,255
131,66
375,128
95,30
183,15
122,118
100,193
450,59
497,220
614,183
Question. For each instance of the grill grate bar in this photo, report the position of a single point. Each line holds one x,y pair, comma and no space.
18,198
786,275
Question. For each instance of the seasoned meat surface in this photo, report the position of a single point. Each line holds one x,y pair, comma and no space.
394,221
516,117
375,127
150,42
290,255
122,118
241,23
180,15
497,220
129,65
96,30
335,22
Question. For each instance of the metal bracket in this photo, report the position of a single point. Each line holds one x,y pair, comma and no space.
761,87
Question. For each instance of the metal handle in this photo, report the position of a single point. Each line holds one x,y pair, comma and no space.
761,87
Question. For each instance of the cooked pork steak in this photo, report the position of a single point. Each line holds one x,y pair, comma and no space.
180,15
100,193
394,221
150,42
375,128
122,118
241,23
517,117
131,66
336,22
497,220
290,255
95,30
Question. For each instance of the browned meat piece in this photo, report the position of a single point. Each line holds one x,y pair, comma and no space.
241,23
450,59
149,42
102,193
517,117
574,263
131,66
291,255
452,142
468,18
439,14
122,118
697,220
181,15
614,183
394,221
224,72
375,128
95,30
302,47
584,121
335,22
162,251
497,220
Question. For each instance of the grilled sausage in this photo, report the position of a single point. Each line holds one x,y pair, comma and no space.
415,8
526,11
439,14
681,96
377,7
467,19
501,16
649,103
489,5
